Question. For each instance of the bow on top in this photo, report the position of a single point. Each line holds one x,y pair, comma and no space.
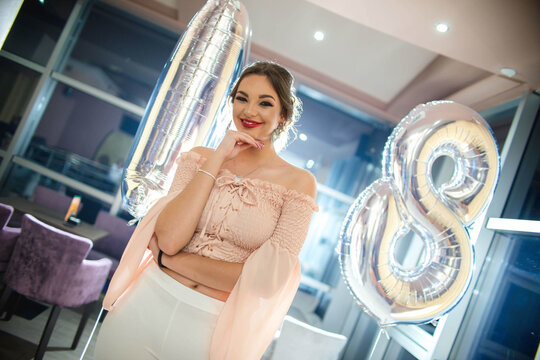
234,192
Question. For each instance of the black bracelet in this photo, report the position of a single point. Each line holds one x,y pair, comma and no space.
159,260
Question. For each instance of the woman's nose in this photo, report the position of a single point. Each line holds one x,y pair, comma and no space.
250,109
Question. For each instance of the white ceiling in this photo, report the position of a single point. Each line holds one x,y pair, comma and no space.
384,57
350,52
489,34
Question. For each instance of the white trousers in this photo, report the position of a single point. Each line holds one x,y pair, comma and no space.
158,318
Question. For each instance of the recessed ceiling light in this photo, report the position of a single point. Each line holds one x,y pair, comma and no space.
302,137
441,27
508,72
309,164
319,35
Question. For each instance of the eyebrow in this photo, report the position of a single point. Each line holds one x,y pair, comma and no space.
260,97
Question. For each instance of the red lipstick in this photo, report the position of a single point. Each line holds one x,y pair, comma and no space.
250,124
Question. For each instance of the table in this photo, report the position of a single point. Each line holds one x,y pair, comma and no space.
52,217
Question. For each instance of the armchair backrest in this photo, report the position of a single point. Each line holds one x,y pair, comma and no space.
8,235
51,199
298,340
45,260
119,234
5,214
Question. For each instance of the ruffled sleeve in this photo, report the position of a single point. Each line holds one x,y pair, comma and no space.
188,165
266,287
136,257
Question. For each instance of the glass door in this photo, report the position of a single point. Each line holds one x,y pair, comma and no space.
505,310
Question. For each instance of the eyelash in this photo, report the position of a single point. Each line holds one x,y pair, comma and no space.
264,103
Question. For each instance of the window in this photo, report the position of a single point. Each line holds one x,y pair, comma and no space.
17,84
37,29
84,130
499,119
343,151
120,54
511,326
84,138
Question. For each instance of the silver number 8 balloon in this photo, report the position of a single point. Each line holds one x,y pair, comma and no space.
406,200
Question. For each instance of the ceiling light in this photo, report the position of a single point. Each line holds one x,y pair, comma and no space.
319,35
441,27
302,137
508,72
309,164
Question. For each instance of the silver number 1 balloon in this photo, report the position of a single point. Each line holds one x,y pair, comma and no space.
187,104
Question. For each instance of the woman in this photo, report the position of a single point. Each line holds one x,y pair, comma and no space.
224,242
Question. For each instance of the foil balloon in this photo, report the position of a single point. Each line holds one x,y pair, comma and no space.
187,105
406,200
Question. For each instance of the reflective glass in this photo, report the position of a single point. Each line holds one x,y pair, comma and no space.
120,54
512,325
500,118
17,84
344,153
509,291
319,250
531,207
37,29
84,138
22,182
405,355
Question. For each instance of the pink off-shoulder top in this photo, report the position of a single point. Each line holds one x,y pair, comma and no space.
250,221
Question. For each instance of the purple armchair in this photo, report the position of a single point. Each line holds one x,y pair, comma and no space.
52,199
49,265
112,246
8,235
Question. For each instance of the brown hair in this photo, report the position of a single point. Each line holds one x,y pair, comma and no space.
283,83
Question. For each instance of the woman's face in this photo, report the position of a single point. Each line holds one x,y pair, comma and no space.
256,107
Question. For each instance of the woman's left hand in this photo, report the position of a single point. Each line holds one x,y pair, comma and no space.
153,246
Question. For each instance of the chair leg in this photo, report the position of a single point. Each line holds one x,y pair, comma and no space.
12,304
4,298
47,332
86,313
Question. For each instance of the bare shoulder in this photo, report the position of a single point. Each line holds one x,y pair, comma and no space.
300,180
203,151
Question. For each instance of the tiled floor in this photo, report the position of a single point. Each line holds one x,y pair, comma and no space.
62,336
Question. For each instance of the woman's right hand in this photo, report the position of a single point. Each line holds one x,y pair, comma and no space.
235,142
